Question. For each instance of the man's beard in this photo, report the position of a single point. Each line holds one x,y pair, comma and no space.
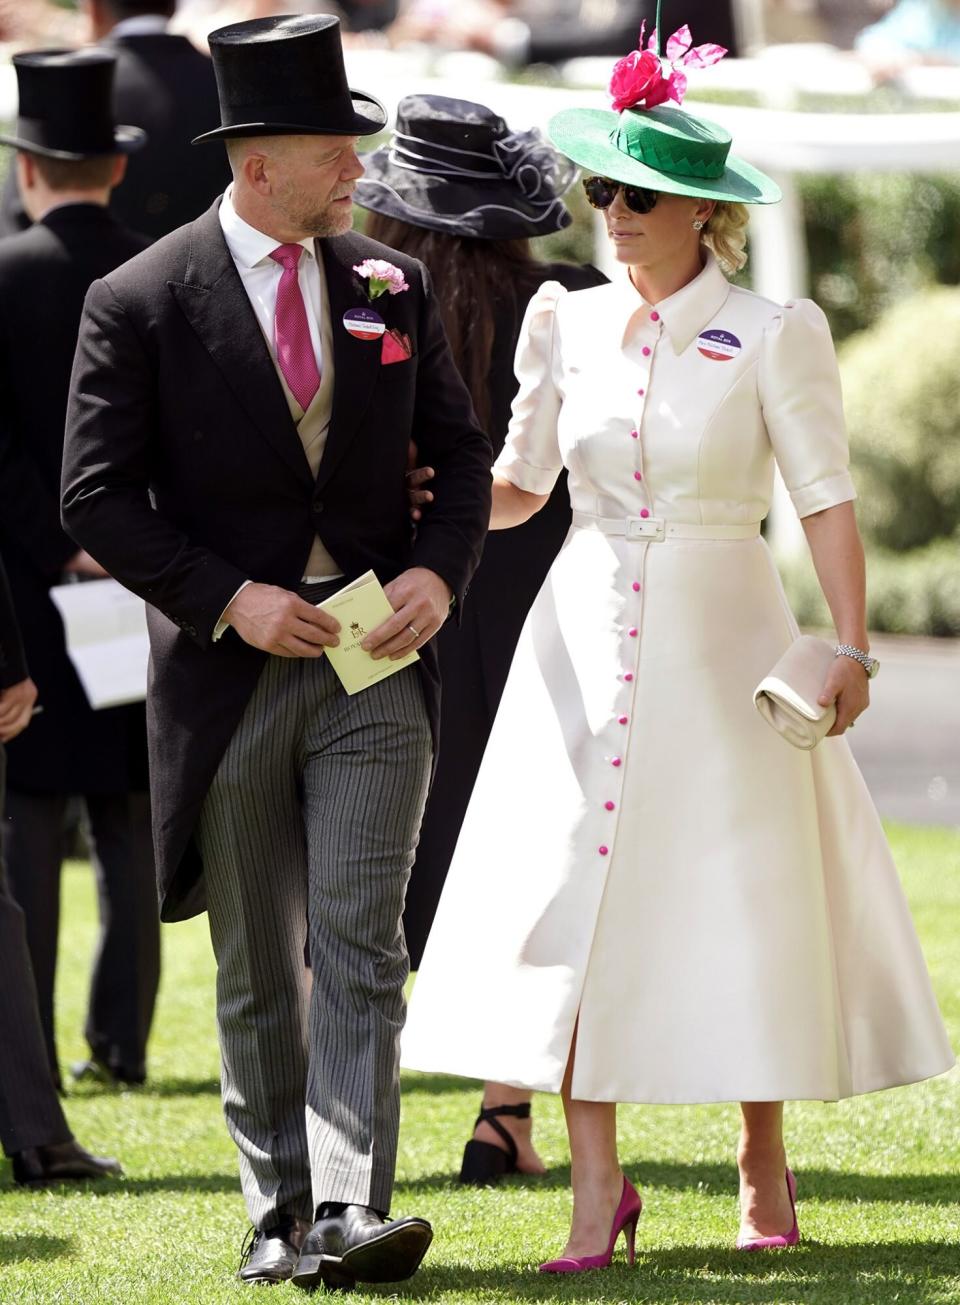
326,221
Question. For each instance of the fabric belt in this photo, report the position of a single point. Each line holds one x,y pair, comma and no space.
656,529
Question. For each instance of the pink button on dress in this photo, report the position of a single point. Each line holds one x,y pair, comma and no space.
745,937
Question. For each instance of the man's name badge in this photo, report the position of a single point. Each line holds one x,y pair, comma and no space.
719,346
364,324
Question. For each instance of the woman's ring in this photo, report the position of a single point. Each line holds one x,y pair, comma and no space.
416,633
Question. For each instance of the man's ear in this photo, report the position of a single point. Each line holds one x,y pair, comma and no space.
119,171
256,172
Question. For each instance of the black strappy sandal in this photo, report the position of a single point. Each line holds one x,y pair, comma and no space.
484,1163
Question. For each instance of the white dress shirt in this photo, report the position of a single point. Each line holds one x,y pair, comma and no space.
260,274
250,250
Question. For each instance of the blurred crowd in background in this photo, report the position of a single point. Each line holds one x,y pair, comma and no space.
883,33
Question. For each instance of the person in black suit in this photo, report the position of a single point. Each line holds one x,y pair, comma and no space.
473,233
33,1130
69,155
164,85
241,411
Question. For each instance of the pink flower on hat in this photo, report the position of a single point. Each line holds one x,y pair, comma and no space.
382,277
638,81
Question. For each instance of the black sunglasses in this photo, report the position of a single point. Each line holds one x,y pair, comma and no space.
601,192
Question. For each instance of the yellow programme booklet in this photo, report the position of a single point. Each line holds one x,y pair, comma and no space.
360,607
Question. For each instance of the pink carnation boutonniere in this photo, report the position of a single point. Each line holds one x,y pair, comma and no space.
638,81
381,277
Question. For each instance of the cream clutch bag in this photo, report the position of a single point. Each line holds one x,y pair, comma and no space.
787,697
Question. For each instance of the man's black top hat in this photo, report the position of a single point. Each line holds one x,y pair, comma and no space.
66,106
285,77
454,166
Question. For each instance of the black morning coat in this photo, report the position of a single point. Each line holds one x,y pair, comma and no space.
165,85
45,273
184,476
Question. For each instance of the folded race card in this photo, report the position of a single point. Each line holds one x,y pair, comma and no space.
360,607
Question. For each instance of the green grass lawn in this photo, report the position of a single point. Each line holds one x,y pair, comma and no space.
879,1176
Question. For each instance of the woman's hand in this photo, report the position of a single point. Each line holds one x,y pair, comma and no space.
847,686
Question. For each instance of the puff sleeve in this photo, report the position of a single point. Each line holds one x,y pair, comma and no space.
530,458
799,385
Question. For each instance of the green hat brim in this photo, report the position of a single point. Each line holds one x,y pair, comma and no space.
584,136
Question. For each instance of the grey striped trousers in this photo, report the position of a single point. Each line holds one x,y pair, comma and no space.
311,824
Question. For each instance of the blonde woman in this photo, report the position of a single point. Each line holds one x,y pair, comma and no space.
654,897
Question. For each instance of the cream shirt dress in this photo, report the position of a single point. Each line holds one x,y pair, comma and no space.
644,858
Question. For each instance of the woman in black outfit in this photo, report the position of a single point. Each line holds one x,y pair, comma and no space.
456,189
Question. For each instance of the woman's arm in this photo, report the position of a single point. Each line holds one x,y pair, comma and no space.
512,506
838,558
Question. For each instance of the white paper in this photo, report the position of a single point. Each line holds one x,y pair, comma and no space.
106,628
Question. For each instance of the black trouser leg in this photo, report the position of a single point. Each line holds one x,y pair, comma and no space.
30,1114
126,971
33,850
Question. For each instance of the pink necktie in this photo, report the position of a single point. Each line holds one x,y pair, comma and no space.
291,331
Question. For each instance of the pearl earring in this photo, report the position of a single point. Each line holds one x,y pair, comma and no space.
697,224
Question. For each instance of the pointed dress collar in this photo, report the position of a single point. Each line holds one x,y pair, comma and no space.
684,313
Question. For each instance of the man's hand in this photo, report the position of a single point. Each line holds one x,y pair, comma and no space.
16,708
421,604
83,564
280,622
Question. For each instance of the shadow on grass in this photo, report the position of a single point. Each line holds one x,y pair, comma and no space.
212,1183
849,1275
182,1087
435,1085
154,1087
721,1180
33,1246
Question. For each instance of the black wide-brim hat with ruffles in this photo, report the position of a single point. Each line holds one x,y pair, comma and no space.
285,76
65,106
454,166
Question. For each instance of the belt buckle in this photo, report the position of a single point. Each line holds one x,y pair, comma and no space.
645,528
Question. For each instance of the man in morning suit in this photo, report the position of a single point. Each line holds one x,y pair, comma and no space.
236,448
33,1130
164,85
69,156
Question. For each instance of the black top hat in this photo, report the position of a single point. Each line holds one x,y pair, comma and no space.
285,77
454,166
65,106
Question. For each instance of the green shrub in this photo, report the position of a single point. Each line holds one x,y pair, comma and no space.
902,399
917,592
874,237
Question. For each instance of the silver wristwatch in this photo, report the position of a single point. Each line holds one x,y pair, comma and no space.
869,664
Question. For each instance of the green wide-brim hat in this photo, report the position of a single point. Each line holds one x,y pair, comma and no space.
664,149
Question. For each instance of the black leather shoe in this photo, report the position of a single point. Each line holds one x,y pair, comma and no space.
98,1070
270,1254
59,1163
359,1245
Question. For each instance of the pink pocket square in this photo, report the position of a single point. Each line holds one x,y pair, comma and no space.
395,348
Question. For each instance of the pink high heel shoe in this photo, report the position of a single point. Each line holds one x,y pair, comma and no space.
624,1221
782,1239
